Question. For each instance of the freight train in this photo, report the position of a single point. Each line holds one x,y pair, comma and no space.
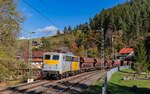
61,65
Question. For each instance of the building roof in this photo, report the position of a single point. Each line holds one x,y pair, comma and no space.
126,50
98,60
37,60
109,61
37,54
117,62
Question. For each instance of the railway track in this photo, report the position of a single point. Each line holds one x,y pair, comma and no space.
24,88
66,85
77,83
45,86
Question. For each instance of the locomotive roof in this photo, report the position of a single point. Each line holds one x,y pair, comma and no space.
57,53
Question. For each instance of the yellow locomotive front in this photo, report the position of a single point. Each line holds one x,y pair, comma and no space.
51,66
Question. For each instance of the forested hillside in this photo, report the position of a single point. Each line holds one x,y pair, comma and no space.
125,23
133,18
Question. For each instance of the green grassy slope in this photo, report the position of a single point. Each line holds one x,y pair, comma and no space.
57,41
119,86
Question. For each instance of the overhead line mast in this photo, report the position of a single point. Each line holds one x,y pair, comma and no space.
102,47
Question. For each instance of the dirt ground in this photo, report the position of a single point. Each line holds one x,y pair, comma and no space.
2,85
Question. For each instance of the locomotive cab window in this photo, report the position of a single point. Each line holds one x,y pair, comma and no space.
75,59
47,57
55,57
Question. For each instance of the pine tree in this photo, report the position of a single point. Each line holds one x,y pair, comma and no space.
145,22
101,17
121,24
141,58
65,30
69,29
92,23
58,32
45,44
111,21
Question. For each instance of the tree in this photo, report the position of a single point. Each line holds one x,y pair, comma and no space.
66,42
4,72
101,17
141,58
145,22
10,21
58,32
69,29
45,44
65,30
92,23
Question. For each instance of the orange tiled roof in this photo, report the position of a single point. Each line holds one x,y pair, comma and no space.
126,50
37,54
37,60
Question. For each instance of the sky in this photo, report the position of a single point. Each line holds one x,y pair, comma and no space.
45,17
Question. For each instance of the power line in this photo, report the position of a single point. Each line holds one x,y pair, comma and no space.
43,4
39,13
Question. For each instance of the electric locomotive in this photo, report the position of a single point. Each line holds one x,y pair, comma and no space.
60,65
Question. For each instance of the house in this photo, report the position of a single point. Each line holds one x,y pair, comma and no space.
37,58
126,53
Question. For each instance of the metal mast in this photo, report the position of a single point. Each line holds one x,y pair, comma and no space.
102,47
113,50
30,56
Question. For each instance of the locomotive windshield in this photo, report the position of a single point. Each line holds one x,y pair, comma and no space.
75,59
55,57
47,57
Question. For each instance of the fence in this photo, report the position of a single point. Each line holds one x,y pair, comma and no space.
109,74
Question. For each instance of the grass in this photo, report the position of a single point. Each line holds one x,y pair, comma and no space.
58,40
118,86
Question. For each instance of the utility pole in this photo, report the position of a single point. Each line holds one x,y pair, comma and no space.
30,58
86,48
113,50
102,47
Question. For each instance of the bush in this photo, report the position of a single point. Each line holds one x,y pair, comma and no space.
4,73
